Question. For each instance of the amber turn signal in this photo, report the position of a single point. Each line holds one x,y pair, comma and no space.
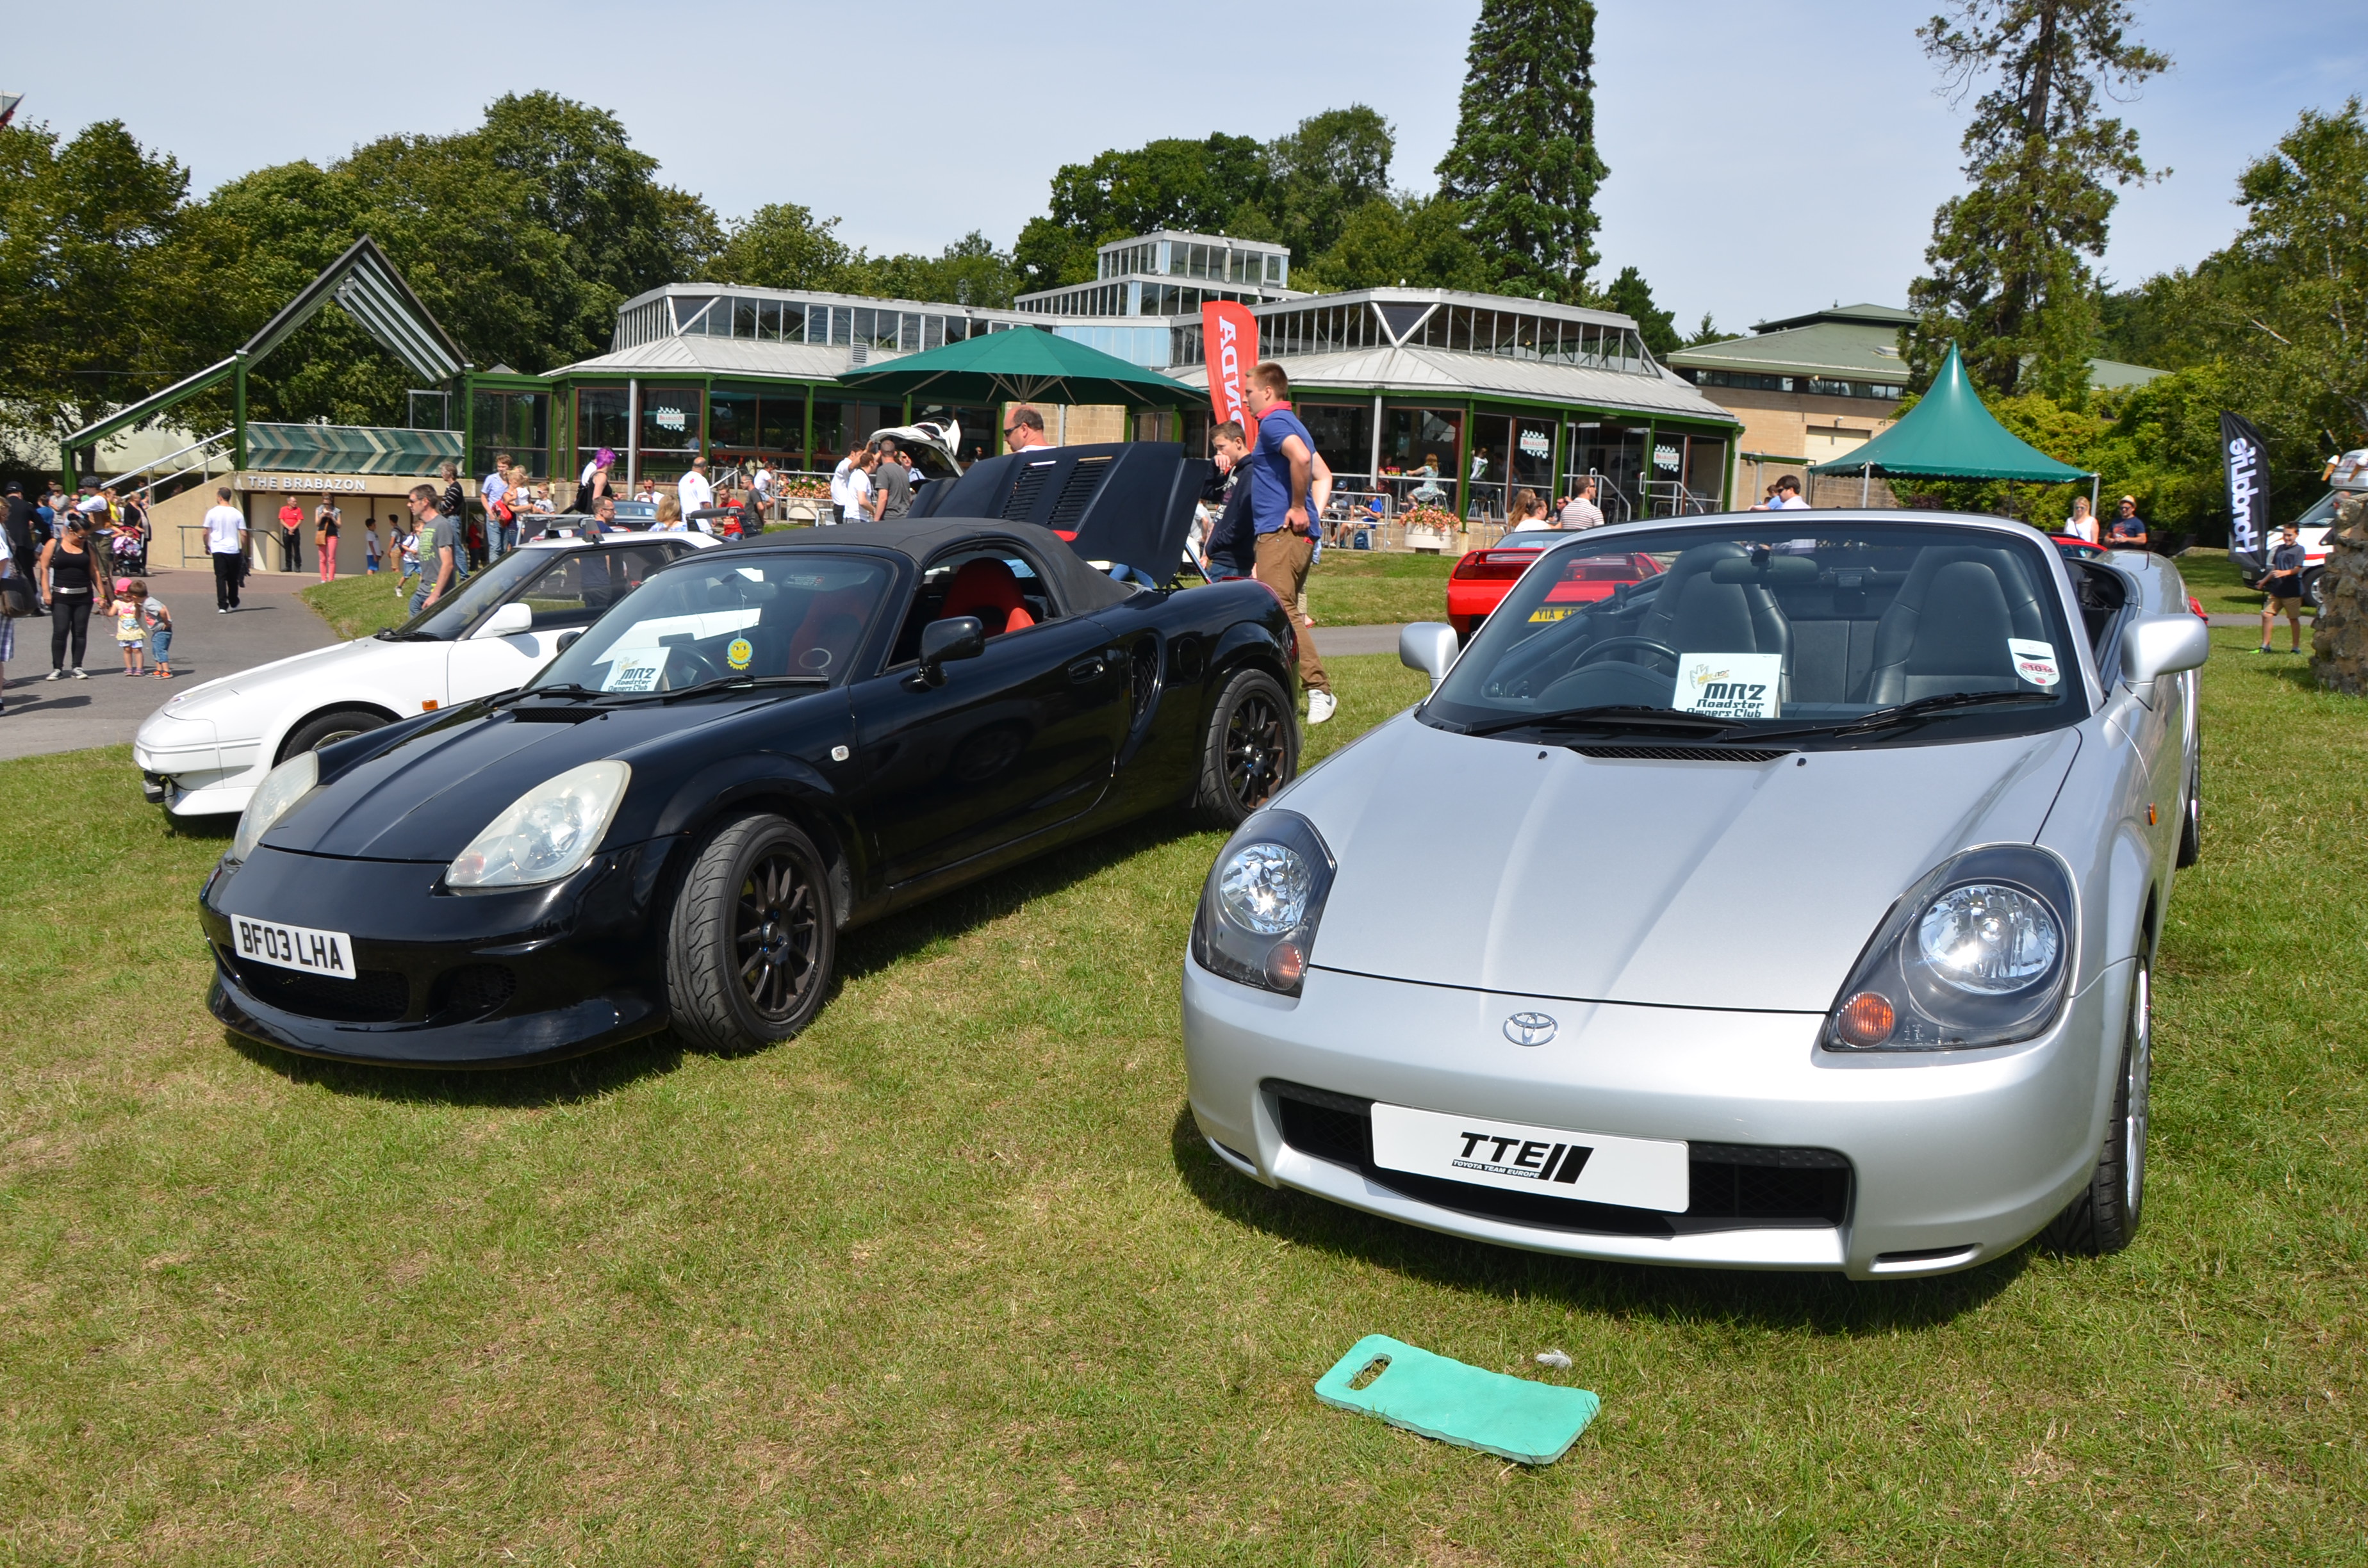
1285,965
1866,1018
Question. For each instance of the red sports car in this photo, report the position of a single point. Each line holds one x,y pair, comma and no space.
1485,576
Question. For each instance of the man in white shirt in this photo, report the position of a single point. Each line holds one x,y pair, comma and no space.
693,490
226,542
861,507
1788,496
839,489
1580,511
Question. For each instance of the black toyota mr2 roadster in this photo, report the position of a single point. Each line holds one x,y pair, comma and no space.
760,746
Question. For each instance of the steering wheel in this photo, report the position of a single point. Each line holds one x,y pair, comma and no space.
684,669
1610,644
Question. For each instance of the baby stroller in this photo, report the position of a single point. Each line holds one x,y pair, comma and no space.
130,553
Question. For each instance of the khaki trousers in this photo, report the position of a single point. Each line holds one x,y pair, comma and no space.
1283,558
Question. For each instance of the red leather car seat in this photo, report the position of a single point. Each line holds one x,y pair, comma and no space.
987,589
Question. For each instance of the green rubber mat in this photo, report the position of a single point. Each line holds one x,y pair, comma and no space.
1527,1421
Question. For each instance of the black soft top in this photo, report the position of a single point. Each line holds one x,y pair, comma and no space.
1079,586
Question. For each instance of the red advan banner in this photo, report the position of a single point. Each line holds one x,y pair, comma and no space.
1229,343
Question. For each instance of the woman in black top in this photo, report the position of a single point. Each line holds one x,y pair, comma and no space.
72,582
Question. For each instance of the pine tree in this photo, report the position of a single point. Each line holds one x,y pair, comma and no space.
2008,283
1523,163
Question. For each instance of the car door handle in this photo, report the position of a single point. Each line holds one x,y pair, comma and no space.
1085,670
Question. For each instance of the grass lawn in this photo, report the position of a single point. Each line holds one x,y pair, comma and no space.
1357,587
356,606
950,1277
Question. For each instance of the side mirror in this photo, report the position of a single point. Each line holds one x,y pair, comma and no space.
567,640
1429,646
964,637
508,621
2162,645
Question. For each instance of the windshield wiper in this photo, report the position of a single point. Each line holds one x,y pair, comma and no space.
388,634
1909,712
564,688
732,683
1617,715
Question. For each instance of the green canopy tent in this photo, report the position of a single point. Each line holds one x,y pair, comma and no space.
1022,365
1950,434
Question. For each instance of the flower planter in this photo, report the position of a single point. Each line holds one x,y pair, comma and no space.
1426,541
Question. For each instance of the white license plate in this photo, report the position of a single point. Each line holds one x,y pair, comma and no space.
299,947
1636,1173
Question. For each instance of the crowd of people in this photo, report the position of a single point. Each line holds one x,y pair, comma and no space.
73,559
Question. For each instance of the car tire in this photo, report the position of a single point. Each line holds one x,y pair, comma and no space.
2312,582
2105,1216
1251,749
757,898
327,729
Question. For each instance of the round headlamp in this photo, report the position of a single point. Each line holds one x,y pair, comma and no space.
1988,938
1264,888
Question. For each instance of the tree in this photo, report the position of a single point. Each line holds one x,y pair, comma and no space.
1327,169
1632,298
779,246
1416,241
1524,162
105,290
2008,282
1223,185
1706,333
971,271
2296,279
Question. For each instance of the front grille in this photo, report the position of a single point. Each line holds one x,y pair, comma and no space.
1731,1186
373,997
470,992
1680,754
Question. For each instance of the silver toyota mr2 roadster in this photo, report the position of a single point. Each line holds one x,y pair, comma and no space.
1791,907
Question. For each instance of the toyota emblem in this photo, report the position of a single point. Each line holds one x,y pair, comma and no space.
1530,1028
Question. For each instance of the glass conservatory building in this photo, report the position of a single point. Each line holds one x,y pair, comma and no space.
1451,398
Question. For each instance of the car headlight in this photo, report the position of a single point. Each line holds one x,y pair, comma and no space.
281,787
1258,913
1977,953
548,833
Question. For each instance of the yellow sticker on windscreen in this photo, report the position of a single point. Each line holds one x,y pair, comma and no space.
738,654
1730,686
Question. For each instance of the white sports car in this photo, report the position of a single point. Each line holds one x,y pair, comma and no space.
205,751
1792,907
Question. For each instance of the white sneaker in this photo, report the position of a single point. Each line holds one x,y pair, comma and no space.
1320,705
81,673
55,675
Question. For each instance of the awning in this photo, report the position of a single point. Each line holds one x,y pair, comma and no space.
1022,365
1950,434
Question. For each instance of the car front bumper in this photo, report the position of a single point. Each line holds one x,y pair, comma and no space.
1951,1158
444,979
187,767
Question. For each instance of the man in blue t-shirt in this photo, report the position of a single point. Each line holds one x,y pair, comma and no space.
1282,469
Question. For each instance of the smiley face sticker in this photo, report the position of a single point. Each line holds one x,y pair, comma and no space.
738,654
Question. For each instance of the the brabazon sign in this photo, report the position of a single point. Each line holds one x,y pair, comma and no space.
1229,338
355,484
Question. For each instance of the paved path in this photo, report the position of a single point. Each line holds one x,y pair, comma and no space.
1345,641
106,709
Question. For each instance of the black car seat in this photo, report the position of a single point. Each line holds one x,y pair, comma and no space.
1695,614
1947,630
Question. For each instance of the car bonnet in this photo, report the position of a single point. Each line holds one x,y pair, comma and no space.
1534,871
424,797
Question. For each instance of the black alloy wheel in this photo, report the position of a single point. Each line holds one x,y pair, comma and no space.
753,939
1251,750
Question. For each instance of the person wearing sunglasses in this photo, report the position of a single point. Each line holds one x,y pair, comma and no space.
1024,430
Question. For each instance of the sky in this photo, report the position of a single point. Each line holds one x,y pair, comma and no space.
1767,156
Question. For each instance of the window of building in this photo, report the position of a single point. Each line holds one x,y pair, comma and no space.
518,422
601,418
1344,434
690,313
670,423
1413,439
744,318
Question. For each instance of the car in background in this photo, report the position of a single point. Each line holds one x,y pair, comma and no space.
1483,578
204,751
2347,475
2074,548
1808,925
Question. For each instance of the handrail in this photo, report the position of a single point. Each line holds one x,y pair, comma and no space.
223,433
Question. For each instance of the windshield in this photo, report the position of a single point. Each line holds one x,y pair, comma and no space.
450,618
1747,630
725,615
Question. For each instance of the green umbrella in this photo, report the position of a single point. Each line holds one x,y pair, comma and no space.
1950,434
1023,365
